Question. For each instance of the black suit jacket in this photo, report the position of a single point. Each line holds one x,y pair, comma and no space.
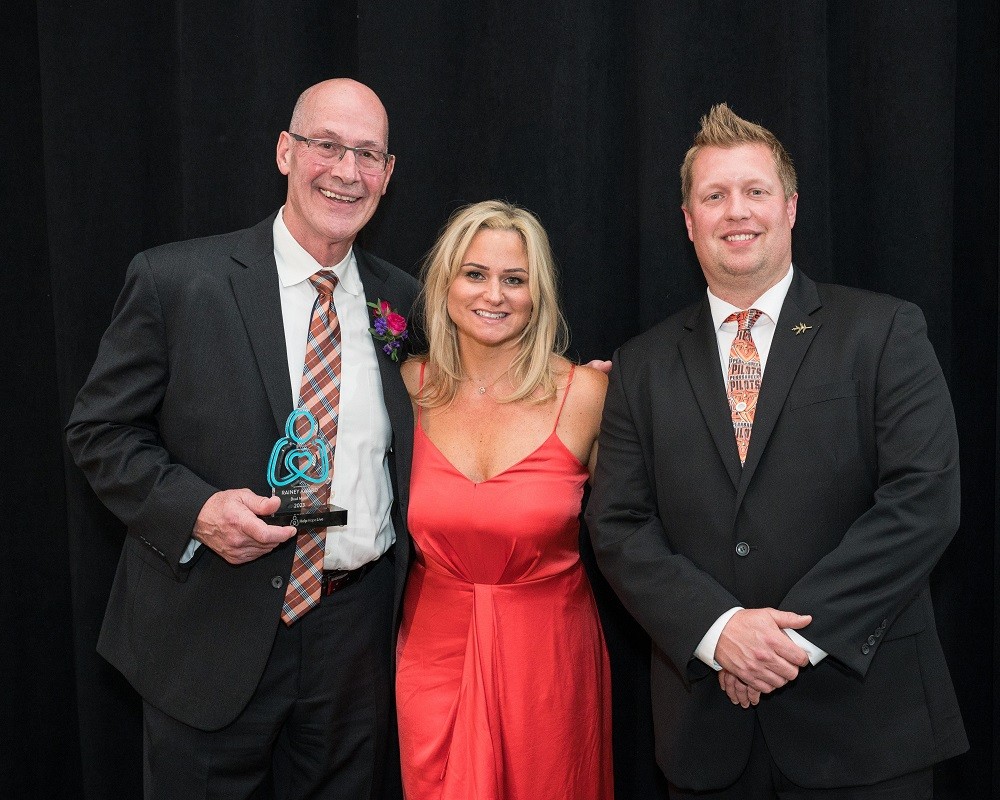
849,495
187,396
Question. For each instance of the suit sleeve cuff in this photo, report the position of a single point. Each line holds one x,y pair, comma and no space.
190,550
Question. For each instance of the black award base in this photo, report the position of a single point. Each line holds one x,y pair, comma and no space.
319,517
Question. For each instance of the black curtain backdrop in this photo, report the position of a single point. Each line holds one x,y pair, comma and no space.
132,124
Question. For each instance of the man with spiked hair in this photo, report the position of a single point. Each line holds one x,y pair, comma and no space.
777,477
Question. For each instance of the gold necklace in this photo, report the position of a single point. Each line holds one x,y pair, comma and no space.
481,387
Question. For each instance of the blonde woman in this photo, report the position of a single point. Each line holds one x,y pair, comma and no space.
503,685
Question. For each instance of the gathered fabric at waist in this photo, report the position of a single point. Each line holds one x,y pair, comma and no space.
522,576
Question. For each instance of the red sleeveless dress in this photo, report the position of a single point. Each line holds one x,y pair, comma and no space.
503,686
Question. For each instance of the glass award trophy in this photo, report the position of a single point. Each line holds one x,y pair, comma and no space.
299,473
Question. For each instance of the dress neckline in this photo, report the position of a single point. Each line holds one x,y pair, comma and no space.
559,442
420,429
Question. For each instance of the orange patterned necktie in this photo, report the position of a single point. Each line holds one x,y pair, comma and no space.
743,380
320,395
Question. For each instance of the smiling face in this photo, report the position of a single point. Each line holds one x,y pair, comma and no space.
327,204
739,220
489,300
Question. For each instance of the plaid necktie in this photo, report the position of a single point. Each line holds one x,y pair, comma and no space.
743,380
320,395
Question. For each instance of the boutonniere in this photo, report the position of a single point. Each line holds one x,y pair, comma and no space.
388,326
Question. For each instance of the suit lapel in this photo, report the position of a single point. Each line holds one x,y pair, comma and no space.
375,280
793,334
259,303
700,354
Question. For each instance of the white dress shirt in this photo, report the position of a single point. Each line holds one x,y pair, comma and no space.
360,481
762,333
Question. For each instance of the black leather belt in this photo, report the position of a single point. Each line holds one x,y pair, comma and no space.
334,580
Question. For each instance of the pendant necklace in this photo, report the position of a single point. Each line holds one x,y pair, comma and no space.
482,388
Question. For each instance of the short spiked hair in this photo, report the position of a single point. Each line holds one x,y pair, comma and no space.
720,127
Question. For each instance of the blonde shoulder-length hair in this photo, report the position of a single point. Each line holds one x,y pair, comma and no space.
546,332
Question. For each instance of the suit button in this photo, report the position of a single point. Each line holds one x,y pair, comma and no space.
277,582
871,640
865,649
742,549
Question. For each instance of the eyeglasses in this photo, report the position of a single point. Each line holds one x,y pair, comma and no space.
369,161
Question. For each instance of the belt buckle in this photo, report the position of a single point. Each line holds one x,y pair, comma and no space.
338,579
332,581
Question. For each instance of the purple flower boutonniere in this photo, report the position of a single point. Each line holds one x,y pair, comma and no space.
389,327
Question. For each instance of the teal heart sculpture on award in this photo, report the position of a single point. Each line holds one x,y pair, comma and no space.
298,472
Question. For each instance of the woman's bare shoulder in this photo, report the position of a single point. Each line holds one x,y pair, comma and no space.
590,382
588,388
410,370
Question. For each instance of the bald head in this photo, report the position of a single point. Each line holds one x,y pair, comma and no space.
338,92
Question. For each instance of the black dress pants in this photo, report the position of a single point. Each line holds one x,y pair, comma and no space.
762,780
318,725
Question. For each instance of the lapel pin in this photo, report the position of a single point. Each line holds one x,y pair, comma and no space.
801,328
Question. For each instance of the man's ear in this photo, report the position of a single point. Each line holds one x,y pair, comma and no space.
283,153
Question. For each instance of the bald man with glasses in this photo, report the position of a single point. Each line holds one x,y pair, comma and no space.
251,688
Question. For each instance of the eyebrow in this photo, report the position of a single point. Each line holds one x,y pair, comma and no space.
483,266
326,133
743,181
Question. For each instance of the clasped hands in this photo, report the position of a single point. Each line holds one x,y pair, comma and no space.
756,655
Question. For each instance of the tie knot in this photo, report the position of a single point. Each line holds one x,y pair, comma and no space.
745,319
324,282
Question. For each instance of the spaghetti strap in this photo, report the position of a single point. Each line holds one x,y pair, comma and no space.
569,382
420,408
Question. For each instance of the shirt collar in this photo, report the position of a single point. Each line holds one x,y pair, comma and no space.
770,302
295,265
